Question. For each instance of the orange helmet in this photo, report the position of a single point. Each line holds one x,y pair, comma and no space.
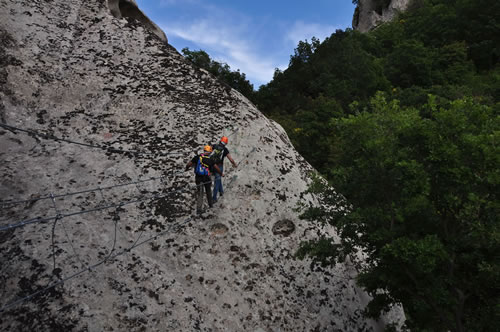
207,148
224,140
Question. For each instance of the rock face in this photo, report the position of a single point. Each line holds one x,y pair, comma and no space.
370,13
126,252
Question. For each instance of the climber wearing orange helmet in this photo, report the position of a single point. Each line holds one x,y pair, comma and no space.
204,165
219,153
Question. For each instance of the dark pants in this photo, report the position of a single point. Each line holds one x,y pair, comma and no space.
203,183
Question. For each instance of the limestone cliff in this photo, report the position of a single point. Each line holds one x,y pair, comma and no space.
370,13
125,252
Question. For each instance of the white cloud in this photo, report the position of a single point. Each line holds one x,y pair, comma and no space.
302,31
166,3
254,66
226,42
256,46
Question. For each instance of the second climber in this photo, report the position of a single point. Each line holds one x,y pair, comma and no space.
218,154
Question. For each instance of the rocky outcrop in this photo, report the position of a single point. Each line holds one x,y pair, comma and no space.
129,9
371,13
126,252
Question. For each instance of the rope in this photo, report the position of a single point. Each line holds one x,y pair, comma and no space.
91,267
79,192
60,216
12,128
93,146
65,232
46,136
234,132
105,207
238,165
99,208
53,242
116,218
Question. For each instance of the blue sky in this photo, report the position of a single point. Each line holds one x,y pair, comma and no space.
254,36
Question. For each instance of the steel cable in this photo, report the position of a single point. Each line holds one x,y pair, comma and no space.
78,192
99,208
93,146
91,267
60,216
88,145
12,128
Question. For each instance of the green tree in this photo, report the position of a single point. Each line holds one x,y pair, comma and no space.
235,79
419,196
410,64
311,128
199,58
304,51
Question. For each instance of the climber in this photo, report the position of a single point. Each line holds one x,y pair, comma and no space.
219,153
204,166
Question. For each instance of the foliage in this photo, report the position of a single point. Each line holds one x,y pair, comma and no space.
339,68
446,48
305,127
222,71
423,194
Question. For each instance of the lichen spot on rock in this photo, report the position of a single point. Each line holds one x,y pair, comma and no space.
284,227
218,229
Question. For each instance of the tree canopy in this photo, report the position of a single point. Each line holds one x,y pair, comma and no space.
440,47
403,123
235,79
421,191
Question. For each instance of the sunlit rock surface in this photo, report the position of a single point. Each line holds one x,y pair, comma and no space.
73,70
371,13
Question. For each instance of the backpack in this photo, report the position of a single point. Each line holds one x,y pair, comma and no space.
202,167
217,153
